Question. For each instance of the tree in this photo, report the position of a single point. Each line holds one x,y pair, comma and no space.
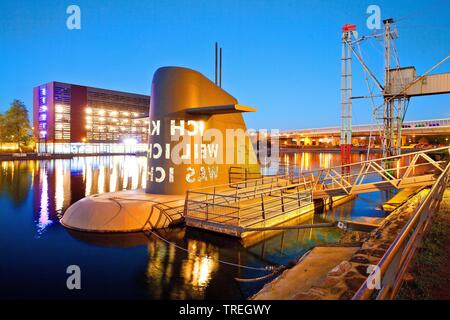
2,130
16,124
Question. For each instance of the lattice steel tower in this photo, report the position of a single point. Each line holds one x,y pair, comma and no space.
348,30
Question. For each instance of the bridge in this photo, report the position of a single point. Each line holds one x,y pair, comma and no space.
246,205
431,127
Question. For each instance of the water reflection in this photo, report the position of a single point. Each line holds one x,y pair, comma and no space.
55,184
163,270
15,179
44,218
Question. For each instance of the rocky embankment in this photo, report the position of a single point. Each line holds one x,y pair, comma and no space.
345,279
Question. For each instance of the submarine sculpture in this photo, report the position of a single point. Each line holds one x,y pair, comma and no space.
195,136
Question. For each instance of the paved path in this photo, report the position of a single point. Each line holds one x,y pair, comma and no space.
305,274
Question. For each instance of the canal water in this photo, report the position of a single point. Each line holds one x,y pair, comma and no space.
35,249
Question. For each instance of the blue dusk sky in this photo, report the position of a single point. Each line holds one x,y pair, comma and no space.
282,57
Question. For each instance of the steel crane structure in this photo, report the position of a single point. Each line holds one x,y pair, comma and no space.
400,84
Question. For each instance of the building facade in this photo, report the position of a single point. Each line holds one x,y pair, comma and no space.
74,119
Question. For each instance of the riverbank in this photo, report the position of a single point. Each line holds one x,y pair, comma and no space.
429,276
51,156
345,277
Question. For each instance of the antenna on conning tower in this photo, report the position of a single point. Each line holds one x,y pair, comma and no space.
218,66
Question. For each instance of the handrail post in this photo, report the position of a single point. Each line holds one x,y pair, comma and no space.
282,200
238,213
186,203
262,207
246,176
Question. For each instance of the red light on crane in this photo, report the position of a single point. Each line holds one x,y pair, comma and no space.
348,27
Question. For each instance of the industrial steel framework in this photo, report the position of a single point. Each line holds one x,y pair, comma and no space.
399,85
348,32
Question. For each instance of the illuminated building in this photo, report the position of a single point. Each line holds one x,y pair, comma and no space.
69,118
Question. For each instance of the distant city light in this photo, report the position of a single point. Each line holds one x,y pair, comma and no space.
101,112
88,110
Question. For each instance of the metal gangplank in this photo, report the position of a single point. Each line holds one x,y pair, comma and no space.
236,207
242,205
397,172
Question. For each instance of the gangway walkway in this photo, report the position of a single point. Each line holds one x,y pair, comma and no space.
403,171
269,200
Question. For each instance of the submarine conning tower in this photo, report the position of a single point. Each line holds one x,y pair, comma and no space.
197,132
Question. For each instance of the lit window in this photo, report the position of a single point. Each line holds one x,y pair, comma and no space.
59,108
101,119
125,113
88,110
101,112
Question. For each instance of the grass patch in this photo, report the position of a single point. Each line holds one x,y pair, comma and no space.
430,265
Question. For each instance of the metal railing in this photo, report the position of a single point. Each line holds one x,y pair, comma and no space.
396,260
249,205
416,167
267,196
237,175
